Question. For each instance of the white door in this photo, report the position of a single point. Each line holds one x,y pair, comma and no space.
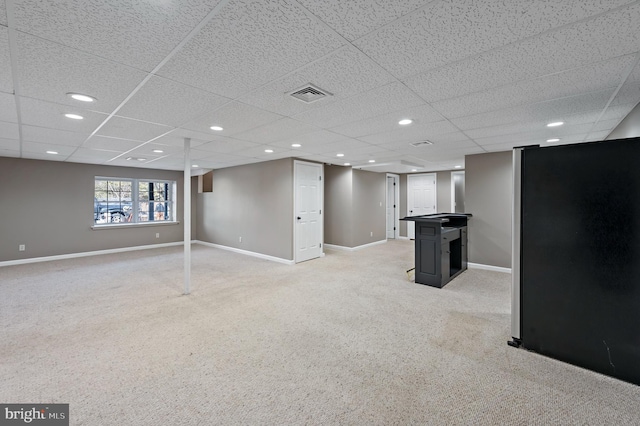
308,210
393,194
421,198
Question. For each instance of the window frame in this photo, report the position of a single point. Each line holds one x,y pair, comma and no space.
169,202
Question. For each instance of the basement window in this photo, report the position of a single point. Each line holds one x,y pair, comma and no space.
123,201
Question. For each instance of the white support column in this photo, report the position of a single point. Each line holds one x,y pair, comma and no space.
187,215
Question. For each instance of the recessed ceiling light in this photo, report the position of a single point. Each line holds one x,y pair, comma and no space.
74,116
339,155
296,145
52,152
372,161
80,97
158,151
414,170
457,167
141,159
347,164
216,128
553,140
405,121
268,151
195,165
555,124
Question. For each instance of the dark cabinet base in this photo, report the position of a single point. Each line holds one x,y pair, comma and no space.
440,251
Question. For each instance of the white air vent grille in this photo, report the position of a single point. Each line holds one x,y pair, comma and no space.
420,143
310,93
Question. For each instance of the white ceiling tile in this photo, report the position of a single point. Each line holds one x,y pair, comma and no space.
54,136
248,44
343,73
420,114
41,149
316,138
3,14
629,92
604,126
46,114
412,132
532,134
168,102
8,108
333,148
542,111
6,79
498,71
119,127
355,18
592,78
591,41
451,30
226,145
9,144
86,155
597,136
409,149
110,144
258,151
234,117
284,128
218,158
177,136
383,100
138,34
9,130
49,71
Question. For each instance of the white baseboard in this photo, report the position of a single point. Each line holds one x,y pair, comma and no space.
402,238
343,248
247,253
488,267
86,253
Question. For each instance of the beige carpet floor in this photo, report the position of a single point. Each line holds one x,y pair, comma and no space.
341,340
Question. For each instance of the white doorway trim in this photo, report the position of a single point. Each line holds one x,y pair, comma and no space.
453,188
396,201
297,163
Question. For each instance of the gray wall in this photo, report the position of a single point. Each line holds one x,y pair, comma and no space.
253,201
48,206
489,188
338,195
354,203
369,209
629,127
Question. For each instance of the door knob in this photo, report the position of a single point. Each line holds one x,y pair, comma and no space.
299,218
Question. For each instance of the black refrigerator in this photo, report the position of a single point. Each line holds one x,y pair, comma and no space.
576,254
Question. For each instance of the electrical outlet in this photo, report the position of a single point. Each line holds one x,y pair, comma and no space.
157,235
22,247
380,203
372,233
240,239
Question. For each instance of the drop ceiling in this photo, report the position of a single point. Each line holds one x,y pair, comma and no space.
474,76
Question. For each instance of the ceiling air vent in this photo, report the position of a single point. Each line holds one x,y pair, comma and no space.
420,143
310,93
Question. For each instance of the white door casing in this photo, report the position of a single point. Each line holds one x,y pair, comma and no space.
457,192
308,199
421,198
